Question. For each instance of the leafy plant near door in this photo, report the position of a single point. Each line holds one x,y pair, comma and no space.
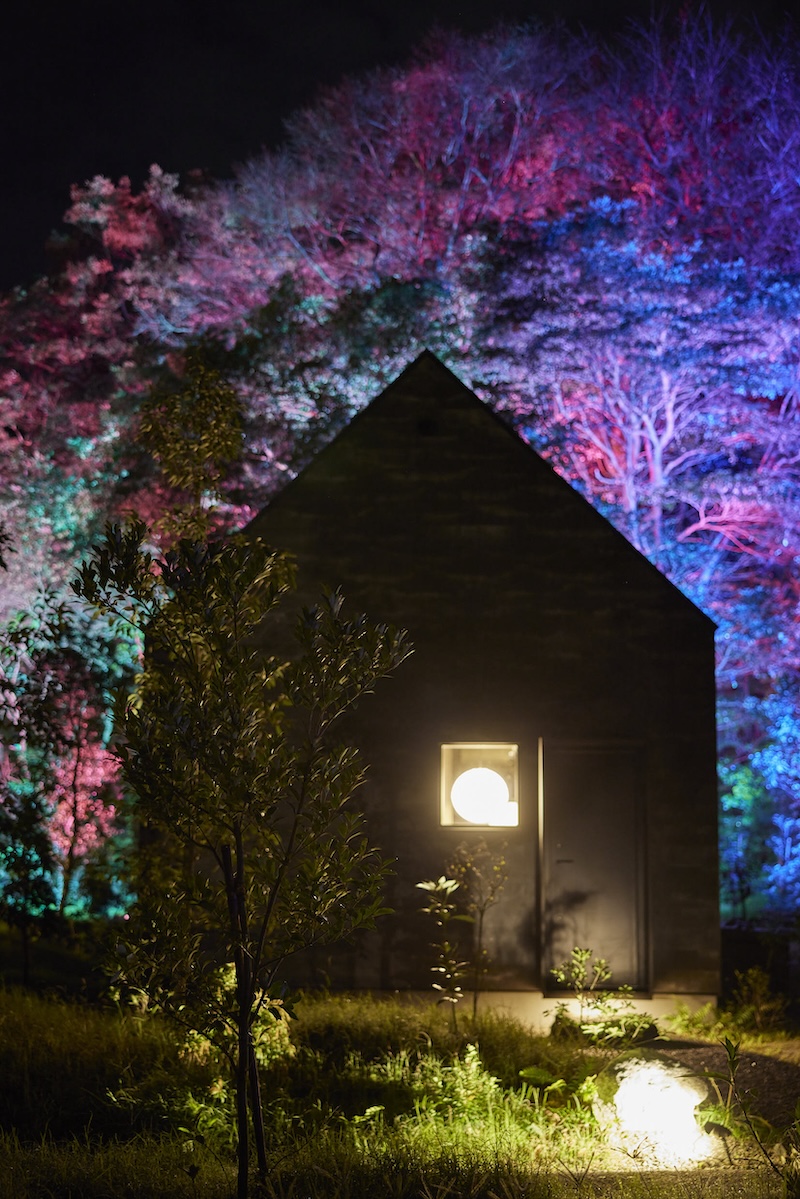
604,1016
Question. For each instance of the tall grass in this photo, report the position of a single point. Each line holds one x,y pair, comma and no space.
61,1063
368,1098
85,1168
143,1170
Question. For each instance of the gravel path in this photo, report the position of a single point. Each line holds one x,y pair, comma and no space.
770,1083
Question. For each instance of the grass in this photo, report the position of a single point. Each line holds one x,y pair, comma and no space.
366,1098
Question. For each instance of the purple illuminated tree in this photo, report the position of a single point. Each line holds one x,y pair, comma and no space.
600,238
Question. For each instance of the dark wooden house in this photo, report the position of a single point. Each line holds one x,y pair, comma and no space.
559,702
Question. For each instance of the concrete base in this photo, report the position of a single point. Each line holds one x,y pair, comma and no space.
537,1010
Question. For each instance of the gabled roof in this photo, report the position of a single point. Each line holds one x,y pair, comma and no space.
427,466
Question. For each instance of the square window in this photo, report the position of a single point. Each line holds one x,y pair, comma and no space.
479,784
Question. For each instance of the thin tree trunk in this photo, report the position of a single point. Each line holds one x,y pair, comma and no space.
242,1071
243,1029
257,1112
69,863
26,954
478,963
239,918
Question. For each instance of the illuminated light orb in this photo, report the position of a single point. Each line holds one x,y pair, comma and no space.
481,796
654,1107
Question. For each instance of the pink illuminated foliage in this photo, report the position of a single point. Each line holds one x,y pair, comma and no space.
60,795
599,238
85,791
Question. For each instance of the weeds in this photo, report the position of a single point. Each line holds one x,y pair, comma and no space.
141,1168
755,1007
367,1098
781,1155
754,1013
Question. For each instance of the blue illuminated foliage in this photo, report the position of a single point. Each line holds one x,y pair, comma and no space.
746,823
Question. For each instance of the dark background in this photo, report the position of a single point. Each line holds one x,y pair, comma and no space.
110,86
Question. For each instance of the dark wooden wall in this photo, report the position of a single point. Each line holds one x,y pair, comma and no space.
532,618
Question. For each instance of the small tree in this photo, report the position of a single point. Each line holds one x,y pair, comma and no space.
59,799
54,724
448,969
482,873
478,874
229,751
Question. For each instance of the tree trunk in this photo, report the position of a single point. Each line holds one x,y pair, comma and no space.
257,1112
26,953
242,1071
243,1029
478,950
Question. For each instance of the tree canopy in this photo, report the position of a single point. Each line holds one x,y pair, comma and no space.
599,238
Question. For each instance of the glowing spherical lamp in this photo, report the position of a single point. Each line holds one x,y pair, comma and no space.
481,796
479,784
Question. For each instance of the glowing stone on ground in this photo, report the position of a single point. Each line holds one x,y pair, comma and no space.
652,1114
481,796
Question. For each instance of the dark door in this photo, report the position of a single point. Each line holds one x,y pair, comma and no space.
592,864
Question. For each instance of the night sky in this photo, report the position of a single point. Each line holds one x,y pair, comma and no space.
98,87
